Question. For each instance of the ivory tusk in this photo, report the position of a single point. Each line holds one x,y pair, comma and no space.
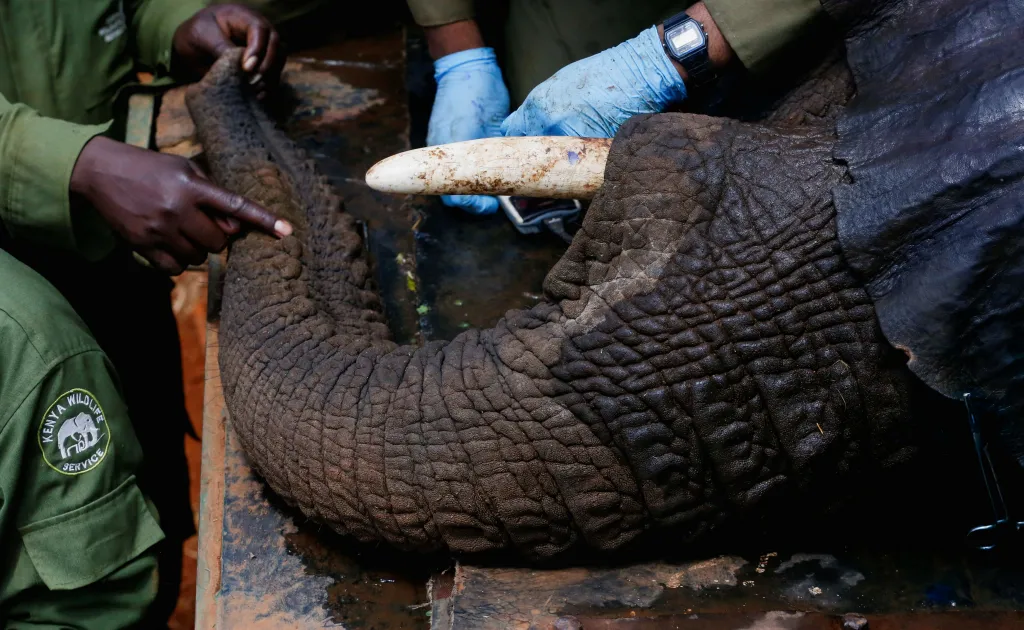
544,166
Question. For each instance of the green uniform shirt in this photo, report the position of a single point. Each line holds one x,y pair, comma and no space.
546,35
61,64
76,534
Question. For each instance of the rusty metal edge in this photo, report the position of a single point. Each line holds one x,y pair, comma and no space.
139,125
211,493
139,130
441,594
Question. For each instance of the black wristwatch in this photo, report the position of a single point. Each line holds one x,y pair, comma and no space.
686,41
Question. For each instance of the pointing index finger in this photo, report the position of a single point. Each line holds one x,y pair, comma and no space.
256,44
237,206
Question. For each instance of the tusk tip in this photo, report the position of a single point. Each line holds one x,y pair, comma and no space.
393,175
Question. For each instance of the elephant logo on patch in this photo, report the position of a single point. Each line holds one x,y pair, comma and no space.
74,435
81,431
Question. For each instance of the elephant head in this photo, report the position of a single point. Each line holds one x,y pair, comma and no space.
705,349
81,431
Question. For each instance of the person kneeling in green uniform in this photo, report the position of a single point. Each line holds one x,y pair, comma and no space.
579,67
80,546
77,537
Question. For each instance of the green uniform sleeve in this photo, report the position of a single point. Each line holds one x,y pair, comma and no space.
440,12
154,23
83,533
758,30
37,155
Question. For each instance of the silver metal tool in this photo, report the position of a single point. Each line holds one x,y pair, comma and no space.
1003,529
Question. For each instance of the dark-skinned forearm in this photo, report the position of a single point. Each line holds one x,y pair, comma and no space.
465,35
452,38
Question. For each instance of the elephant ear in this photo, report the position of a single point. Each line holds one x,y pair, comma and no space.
933,213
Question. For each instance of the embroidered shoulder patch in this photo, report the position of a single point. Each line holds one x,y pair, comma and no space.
73,434
115,25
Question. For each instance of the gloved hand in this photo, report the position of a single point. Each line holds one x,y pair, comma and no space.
594,96
471,102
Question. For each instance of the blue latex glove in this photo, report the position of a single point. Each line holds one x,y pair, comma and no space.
471,102
594,96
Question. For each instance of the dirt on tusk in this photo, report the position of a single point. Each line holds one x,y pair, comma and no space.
543,166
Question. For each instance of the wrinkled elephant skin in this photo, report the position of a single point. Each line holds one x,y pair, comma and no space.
704,351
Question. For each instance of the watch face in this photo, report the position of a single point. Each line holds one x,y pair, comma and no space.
685,38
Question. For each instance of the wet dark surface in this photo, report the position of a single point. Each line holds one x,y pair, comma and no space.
440,269
866,581
474,269
364,96
279,571
471,269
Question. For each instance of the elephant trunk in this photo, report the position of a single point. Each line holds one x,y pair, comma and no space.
454,445
706,351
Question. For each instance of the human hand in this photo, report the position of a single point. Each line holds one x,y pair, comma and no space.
471,102
204,37
594,96
163,205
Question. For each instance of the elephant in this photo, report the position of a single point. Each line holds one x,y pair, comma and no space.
752,313
81,430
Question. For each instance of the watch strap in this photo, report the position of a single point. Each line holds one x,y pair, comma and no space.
697,64
675,20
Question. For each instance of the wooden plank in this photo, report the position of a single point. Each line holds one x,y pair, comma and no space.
211,497
138,131
795,591
175,131
247,579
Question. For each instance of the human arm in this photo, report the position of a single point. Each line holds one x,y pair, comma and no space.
185,37
154,24
720,52
594,96
118,601
211,32
81,546
37,157
472,99
66,186
41,201
163,205
756,32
